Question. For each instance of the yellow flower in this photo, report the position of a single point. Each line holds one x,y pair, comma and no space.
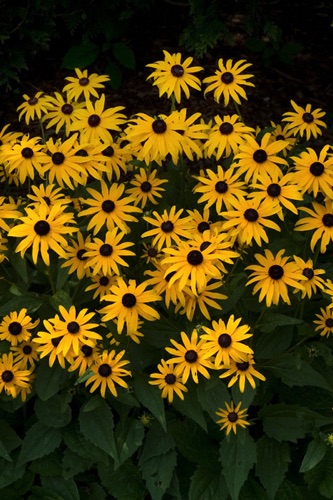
168,380
33,107
146,187
169,228
232,417
225,136
320,220
324,322
304,121
107,371
84,84
242,371
12,377
15,327
312,279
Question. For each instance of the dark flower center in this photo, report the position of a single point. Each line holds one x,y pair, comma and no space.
276,272
191,356
170,378
327,220
67,109
73,327
7,376
260,156
87,350
84,81
317,168
280,137
108,206
94,120
152,252
42,228
226,128
58,158
159,126
232,417
27,153
145,187
128,300
27,349
80,254
33,101
227,77
307,117
167,227
56,341
15,328
224,340
251,215
106,250
177,70
308,273
105,370
169,276
329,323
109,151
104,280
243,366
204,245
203,226
274,190
221,187
81,152
195,257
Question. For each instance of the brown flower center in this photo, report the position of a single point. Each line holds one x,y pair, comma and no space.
128,300
191,356
42,228
177,70
15,328
274,190
108,206
167,227
224,340
27,153
94,120
317,168
221,187
251,215
58,158
327,220
195,257
73,327
170,378
232,417
227,77
260,156
159,126
226,128
307,117
106,250
67,109
105,370
275,272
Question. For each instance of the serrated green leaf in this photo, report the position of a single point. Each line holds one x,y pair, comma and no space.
49,380
272,320
289,491
39,493
129,436
124,55
123,484
207,483
270,344
65,488
320,477
281,422
157,442
50,465
190,407
193,443
10,472
83,448
31,302
39,441
9,440
314,454
61,298
272,464
150,397
157,473
241,450
211,394
94,492
72,464
52,413
80,55
252,490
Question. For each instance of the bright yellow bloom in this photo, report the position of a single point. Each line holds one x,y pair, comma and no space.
33,107
12,377
225,136
15,327
107,371
242,371
324,322
146,187
169,228
168,380
304,121
320,220
232,417
84,84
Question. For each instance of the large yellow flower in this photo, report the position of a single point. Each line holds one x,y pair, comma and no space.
320,221
84,84
61,113
304,121
33,107
169,228
15,327
242,371
107,371
168,380
12,377
225,136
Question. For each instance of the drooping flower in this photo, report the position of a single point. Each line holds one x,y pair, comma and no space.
304,121
193,134
168,380
232,417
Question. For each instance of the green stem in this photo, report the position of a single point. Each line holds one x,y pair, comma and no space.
238,111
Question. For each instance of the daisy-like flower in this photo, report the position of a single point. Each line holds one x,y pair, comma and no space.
146,187
75,256
87,356
171,76
169,228
44,229
33,107
107,371
151,254
313,172
192,133
188,357
6,137
160,282
203,300
154,138
109,208
101,284
49,343
229,80
15,327
248,220
8,211
96,123
25,354
115,158
254,158
168,380
324,322
221,188
282,133
200,221
232,417
242,371
273,275
47,195
12,377
304,121
320,221
84,84
225,136
128,304
225,341
312,280
61,113
277,189
105,255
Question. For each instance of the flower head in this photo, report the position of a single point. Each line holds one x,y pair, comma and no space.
321,221
33,107
324,322
108,371
15,327
12,377
304,121
242,371
225,136
232,417
84,84
314,173
168,380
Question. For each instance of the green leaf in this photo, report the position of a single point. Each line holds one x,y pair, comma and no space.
76,442
320,477
272,464
49,380
9,440
123,484
61,298
80,55
314,454
94,492
39,441
211,394
30,301
49,465
52,413
271,321
241,450
65,488
97,427
157,473
252,490
289,491
207,483
270,344
190,407
116,76
280,421
39,493
124,55
150,397
129,435
72,464
10,472
157,442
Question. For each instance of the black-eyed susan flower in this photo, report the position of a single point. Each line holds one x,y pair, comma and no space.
169,227
48,345
242,372
93,167
84,84
47,195
151,254
106,255
304,121
7,137
200,221
172,77
320,221
15,327
232,417
109,208
312,280
61,113
25,354
255,158
324,322
12,377
75,256
115,158
205,300
188,357
314,172
273,275
33,107
108,371
168,380
101,284
193,134
128,304
43,229
23,392
225,136
159,280
229,80
328,289
282,133
146,187
220,189
86,357
224,341
8,210
248,220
